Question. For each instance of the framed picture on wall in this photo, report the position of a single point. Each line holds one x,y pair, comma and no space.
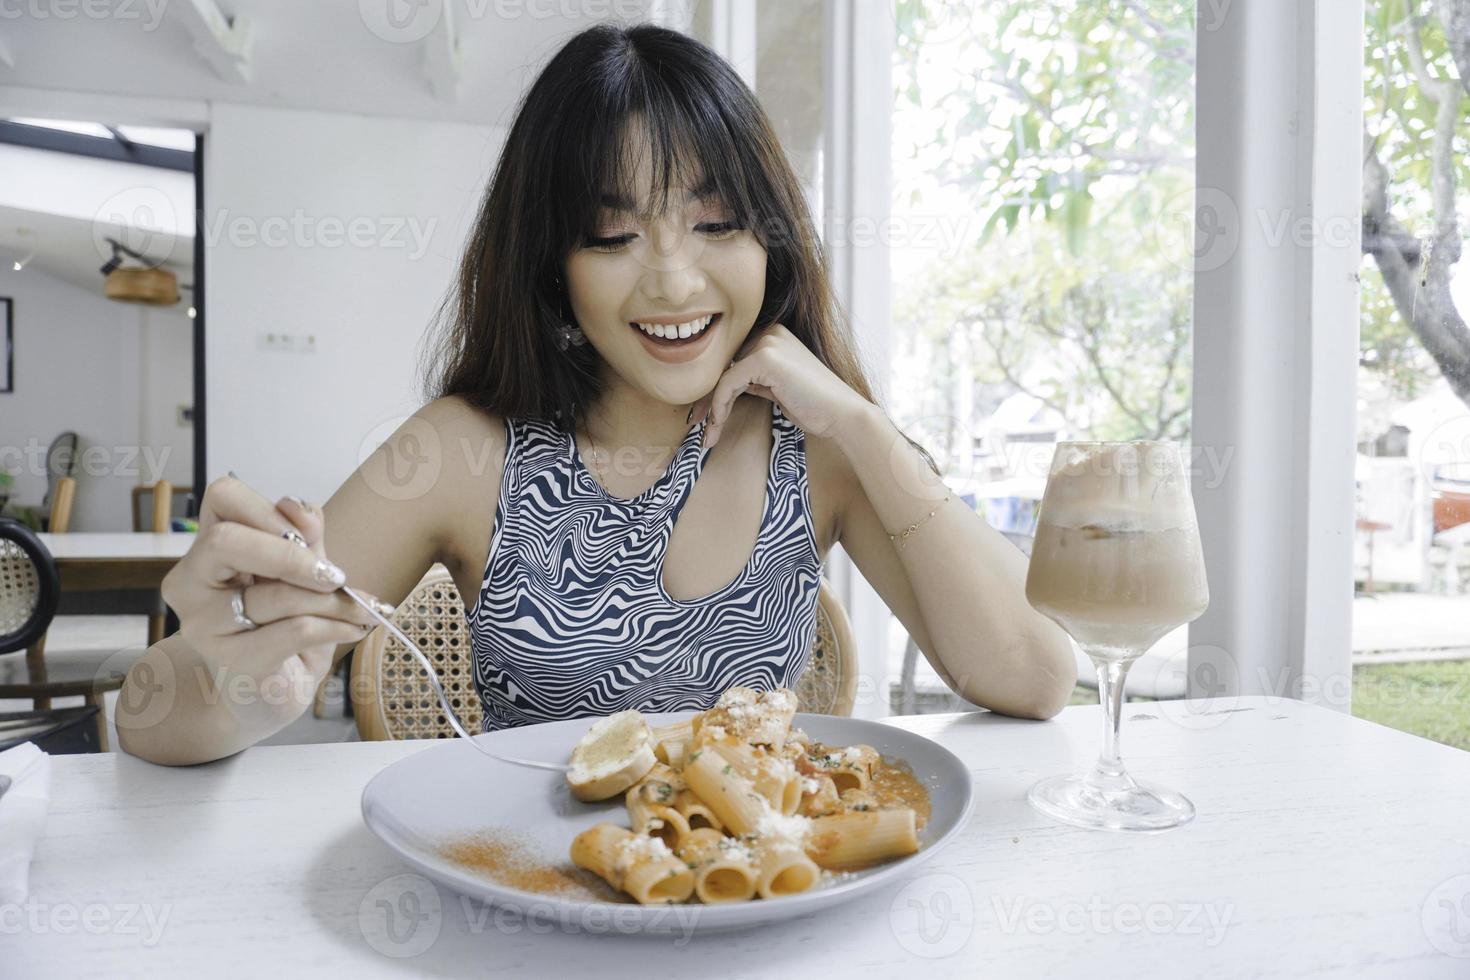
7,344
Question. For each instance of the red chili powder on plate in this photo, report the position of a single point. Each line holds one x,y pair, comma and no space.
512,859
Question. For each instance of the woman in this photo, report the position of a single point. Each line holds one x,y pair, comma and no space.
640,186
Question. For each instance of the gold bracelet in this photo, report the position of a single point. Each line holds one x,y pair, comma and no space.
901,538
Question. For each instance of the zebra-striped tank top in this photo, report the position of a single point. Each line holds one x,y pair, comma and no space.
573,619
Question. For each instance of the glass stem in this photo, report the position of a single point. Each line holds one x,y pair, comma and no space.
1109,774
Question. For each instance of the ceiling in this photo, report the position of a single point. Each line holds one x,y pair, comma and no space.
66,248
371,57
334,55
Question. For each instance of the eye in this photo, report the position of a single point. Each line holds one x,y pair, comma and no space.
719,229
608,244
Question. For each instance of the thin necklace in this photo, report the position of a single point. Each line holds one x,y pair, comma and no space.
597,456
597,461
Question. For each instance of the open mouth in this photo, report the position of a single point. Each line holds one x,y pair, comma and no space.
677,335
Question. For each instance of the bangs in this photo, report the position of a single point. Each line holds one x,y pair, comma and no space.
690,142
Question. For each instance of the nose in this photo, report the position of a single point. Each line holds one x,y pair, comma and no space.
673,272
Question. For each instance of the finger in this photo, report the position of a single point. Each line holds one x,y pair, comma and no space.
307,519
726,391
260,652
699,410
230,499
270,602
229,549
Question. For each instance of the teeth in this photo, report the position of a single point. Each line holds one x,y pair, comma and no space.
682,331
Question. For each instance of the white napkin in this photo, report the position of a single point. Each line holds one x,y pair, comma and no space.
22,815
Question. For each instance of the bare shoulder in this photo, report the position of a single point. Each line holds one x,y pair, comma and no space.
470,446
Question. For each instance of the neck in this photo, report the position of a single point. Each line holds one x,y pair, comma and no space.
630,428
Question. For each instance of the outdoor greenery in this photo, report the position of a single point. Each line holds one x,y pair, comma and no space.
1429,699
1067,127
1416,177
1071,132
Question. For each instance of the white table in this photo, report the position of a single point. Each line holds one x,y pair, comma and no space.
117,545
92,561
1321,844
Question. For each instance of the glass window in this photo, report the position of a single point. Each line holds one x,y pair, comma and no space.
1043,165
1411,631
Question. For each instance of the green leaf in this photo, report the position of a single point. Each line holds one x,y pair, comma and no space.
1076,213
1012,216
990,224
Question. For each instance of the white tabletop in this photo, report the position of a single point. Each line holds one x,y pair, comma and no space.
117,544
1323,846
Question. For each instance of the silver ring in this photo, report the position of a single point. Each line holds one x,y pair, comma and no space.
237,606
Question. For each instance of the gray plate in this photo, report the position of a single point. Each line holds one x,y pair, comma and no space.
451,789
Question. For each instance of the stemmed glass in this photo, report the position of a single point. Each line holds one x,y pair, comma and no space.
1117,564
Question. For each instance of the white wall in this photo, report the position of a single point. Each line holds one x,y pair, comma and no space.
79,359
282,190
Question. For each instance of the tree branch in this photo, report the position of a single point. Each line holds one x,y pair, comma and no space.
1180,48
1447,97
1009,375
1088,341
1426,307
1454,15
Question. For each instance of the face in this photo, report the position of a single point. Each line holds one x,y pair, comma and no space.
668,269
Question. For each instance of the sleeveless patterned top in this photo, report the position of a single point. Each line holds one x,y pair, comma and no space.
572,618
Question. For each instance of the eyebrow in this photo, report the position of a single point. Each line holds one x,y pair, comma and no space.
617,202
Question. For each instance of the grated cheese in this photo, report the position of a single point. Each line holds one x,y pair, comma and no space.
639,848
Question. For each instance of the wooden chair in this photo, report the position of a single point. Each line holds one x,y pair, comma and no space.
392,698
66,492
61,460
29,592
161,496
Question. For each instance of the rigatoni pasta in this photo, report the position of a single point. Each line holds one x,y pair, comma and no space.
741,805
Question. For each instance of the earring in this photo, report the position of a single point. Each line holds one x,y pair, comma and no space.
566,334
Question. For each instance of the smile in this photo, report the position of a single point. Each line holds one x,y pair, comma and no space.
680,342
674,334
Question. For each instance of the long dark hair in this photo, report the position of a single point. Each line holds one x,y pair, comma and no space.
567,147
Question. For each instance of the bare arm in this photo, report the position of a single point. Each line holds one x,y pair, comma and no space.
209,691
958,585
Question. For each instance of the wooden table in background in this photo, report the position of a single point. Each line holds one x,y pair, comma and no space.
94,561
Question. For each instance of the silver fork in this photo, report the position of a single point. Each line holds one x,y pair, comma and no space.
459,729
